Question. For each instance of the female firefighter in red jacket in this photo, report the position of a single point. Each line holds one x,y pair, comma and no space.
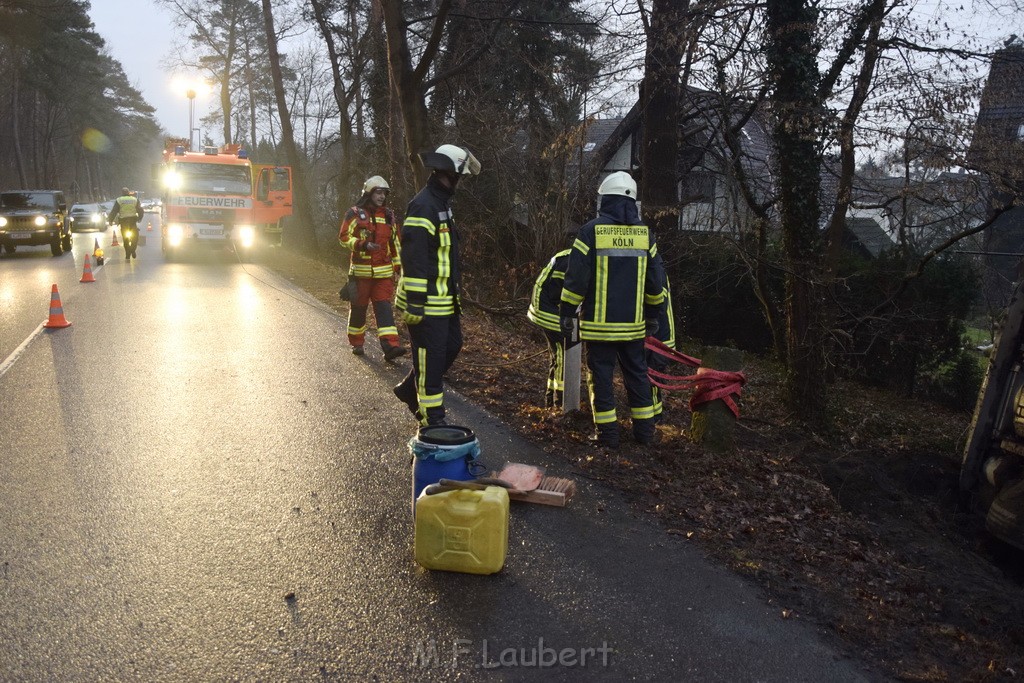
371,232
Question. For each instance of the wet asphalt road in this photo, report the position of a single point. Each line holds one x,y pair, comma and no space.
199,482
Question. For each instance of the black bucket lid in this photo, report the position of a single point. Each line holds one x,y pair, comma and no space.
445,435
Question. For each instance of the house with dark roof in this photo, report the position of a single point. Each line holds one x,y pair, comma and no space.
708,193
997,149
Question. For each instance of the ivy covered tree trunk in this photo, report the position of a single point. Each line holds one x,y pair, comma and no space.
792,62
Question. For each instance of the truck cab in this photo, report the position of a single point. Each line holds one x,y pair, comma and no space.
216,199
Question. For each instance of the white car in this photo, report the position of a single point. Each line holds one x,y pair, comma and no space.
88,217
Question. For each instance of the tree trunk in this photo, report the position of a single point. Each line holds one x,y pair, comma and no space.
793,69
409,82
659,97
19,157
346,171
302,228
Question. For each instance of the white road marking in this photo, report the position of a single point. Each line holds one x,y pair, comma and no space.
6,365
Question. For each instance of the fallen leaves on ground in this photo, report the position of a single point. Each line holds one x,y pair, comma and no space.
859,529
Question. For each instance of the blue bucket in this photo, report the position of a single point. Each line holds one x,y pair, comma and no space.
443,452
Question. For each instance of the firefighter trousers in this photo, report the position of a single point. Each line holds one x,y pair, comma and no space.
377,291
556,369
656,361
601,361
436,342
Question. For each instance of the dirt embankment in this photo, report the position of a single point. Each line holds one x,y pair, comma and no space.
859,529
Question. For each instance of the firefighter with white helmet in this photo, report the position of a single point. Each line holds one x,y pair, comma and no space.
428,292
370,231
615,280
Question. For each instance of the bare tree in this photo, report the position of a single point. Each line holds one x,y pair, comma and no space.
303,231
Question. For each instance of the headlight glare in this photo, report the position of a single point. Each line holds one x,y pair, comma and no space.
40,221
175,234
246,235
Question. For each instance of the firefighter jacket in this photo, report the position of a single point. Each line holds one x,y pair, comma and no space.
547,293
614,274
363,224
430,255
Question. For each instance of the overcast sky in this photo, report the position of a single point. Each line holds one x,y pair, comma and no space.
140,49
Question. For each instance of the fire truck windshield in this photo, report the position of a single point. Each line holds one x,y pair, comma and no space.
213,178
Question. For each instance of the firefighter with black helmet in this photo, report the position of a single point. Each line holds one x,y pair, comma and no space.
428,291
370,231
617,284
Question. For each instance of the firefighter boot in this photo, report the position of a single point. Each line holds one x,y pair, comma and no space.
392,352
644,432
405,391
606,435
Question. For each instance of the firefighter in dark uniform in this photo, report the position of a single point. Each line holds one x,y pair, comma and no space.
616,282
370,231
666,334
127,211
428,291
544,312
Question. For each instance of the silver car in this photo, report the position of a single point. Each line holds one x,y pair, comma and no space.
88,217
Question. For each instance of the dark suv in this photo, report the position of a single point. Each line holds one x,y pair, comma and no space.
34,217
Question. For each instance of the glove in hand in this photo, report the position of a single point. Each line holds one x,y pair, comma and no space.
568,326
652,327
371,246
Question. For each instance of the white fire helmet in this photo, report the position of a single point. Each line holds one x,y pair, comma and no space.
375,182
450,158
620,183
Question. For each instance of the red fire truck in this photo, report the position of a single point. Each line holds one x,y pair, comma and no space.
217,198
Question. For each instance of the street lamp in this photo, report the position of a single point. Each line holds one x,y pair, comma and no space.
191,87
191,95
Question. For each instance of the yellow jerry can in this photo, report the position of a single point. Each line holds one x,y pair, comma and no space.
463,530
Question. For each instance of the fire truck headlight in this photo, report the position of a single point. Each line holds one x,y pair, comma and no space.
172,180
175,234
40,221
3,222
246,235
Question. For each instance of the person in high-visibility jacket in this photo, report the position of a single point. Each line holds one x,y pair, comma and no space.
370,231
617,284
428,292
544,309
127,212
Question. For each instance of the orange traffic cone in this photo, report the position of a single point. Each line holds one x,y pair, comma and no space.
87,271
115,242
149,225
57,318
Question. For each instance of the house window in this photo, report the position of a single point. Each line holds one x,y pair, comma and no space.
697,187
